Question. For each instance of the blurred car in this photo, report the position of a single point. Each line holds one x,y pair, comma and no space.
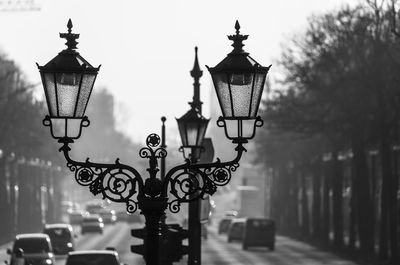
93,257
94,208
236,229
92,223
75,217
259,232
134,218
124,216
61,237
67,206
108,216
231,213
35,248
223,225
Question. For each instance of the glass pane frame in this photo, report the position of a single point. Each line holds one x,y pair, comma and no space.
240,129
237,103
78,99
66,128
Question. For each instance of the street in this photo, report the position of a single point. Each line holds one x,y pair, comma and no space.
215,250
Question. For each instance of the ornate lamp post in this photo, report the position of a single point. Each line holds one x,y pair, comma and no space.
68,80
192,128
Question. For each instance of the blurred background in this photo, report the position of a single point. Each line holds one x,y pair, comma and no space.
324,167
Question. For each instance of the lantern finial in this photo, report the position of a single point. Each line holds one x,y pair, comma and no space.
237,27
237,39
70,37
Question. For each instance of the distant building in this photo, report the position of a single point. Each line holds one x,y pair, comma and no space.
252,193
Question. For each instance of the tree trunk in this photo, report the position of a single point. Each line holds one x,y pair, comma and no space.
337,190
364,206
316,202
304,203
294,198
326,206
394,232
353,211
386,161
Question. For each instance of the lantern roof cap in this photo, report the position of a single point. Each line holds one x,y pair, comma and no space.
238,60
69,60
193,115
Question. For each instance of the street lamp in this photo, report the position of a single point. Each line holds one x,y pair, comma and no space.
68,80
239,81
192,128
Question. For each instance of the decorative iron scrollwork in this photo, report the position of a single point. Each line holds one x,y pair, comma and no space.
189,182
116,182
121,183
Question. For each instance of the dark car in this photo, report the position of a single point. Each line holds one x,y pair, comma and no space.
93,257
94,208
61,237
236,229
35,248
92,223
223,225
259,232
108,216
75,217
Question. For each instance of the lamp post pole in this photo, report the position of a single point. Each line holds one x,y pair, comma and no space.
68,80
194,236
163,138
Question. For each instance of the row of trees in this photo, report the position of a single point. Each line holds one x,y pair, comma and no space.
29,155
340,94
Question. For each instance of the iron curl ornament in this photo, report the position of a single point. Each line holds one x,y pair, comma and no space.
123,184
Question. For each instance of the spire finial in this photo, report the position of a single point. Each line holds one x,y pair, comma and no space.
69,25
70,37
237,39
237,27
196,72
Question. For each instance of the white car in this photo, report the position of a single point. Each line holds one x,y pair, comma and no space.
93,257
61,237
34,248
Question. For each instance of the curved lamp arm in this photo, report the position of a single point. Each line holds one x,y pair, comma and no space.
116,182
189,181
122,183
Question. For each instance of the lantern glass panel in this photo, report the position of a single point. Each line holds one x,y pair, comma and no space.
232,128
192,133
223,94
84,94
58,127
259,82
241,94
67,93
202,132
182,132
248,128
73,128
50,91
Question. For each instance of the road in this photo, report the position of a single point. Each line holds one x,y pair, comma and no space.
216,250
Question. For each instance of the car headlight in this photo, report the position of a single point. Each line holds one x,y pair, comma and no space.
48,261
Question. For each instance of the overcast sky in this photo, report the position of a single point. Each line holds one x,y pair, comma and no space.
146,48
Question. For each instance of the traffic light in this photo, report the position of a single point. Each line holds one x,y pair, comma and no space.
139,233
172,248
